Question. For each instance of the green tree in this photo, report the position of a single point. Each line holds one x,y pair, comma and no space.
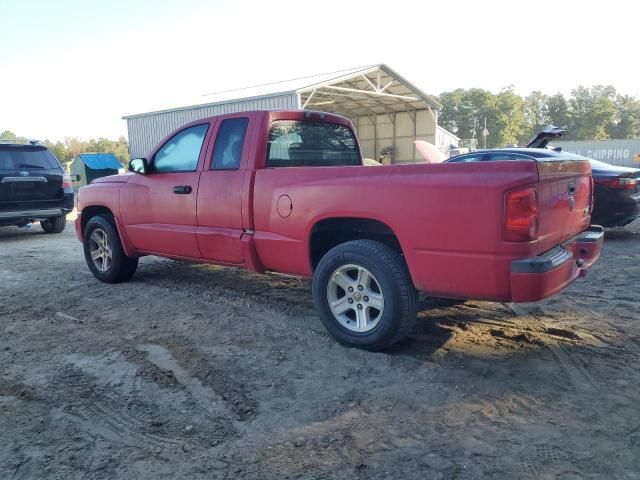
452,117
8,135
593,111
59,150
557,109
510,125
536,112
464,113
627,121
464,110
481,105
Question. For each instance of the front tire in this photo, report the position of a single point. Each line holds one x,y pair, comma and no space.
364,295
103,251
54,224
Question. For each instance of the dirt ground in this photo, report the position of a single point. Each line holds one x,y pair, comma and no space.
192,371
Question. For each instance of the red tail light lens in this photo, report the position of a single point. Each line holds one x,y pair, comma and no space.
521,215
618,183
67,185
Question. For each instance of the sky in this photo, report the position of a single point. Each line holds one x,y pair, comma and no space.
72,68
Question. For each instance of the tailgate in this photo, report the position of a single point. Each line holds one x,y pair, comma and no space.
17,187
564,198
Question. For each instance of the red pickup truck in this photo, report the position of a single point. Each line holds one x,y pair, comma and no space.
286,191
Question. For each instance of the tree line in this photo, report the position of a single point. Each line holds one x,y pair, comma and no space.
588,113
71,147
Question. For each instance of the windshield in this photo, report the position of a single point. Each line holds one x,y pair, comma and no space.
16,158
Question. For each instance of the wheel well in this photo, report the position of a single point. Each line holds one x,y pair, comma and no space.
92,211
331,232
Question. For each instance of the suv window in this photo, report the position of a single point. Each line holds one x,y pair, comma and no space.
26,157
181,152
227,150
303,143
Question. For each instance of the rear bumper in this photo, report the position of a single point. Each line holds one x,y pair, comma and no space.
615,208
31,214
533,279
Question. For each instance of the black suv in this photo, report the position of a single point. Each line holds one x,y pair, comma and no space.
33,187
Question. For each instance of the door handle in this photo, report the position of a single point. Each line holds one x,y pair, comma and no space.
182,189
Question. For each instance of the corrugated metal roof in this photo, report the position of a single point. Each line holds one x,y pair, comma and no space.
353,77
100,161
271,89
284,86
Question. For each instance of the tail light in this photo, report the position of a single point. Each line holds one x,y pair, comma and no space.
619,183
67,185
521,215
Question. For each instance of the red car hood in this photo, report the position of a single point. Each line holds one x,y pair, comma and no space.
124,178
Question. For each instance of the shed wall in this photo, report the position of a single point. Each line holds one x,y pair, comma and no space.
78,173
146,131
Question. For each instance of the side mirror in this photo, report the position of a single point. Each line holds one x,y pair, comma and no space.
139,165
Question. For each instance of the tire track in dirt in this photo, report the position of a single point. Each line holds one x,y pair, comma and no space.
356,437
221,372
27,469
540,460
570,348
570,363
208,399
116,400
565,345
98,419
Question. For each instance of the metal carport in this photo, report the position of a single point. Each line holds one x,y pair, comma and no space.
388,111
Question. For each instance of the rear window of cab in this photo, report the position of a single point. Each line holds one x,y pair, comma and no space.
294,143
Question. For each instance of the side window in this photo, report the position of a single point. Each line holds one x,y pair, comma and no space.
227,150
305,143
493,157
467,158
181,152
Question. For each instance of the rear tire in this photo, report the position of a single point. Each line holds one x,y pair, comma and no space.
364,295
104,253
54,224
